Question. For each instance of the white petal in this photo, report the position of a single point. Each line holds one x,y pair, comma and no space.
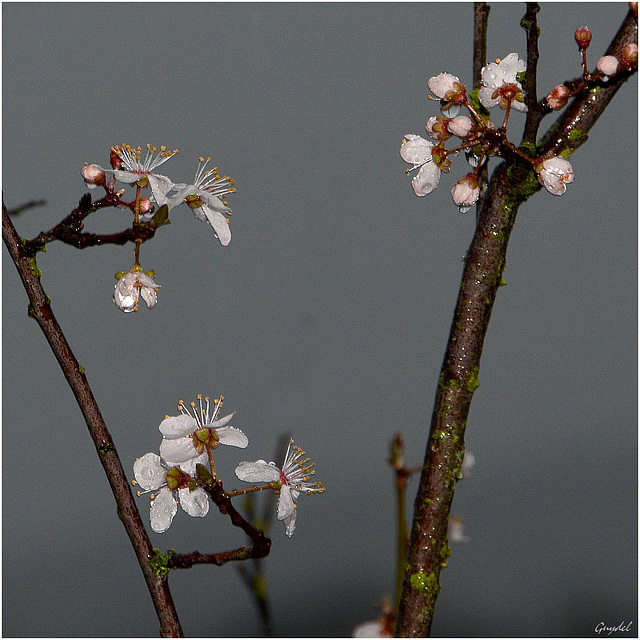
149,472
286,505
219,224
176,451
195,503
163,508
233,437
442,83
371,629
179,197
214,202
415,149
290,523
259,471
160,186
427,179
150,296
484,95
178,426
190,465
126,176
222,422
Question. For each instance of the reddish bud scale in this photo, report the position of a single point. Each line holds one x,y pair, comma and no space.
583,38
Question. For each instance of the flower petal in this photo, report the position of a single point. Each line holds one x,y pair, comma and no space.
290,523
149,472
195,503
232,436
190,465
219,224
222,422
258,471
427,179
160,186
178,426
176,451
415,149
163,508
286,505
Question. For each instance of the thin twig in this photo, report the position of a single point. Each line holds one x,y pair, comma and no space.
530,85
511,185
40,310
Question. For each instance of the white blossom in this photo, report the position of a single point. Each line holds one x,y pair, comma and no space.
497,75
290,481
151,474
204,197
554,174
608,65
131,285
417,151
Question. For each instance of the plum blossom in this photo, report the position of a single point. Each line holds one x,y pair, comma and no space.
417,151
196,432
132,284
500,86
93,175
558,97
608,66
133,170
151,473
289,482
554,174
204,197
461,126
466,192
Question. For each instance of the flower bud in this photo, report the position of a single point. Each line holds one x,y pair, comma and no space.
583,37
608,65
629,57
437,129
462,126
554,174
93,175
558,97
466,192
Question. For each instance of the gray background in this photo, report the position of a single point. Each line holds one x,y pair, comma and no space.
326,316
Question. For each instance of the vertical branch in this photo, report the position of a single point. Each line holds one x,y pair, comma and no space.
480,21
510,186
40,310
530,85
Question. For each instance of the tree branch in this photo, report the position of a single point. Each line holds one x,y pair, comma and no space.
40,310
511,185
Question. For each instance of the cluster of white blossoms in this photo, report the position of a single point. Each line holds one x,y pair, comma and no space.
189,439
479,139
204,196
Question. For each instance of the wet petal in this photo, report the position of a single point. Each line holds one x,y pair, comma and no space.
163,508
149,472
259,471
232,436
195,503
178,426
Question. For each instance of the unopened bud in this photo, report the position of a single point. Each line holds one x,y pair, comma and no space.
558,97
608,65
466,192
629,57
114,159
462,126
583,37
93,175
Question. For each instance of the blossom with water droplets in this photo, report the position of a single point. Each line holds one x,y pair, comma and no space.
195,433
132,284
500,85
175,484
558,97
204,197
554,174
466,192
93,175
132,169
289,482
418,152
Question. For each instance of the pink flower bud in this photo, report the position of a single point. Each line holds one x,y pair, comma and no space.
608,65
629,57
93,175
583,37
145,205
558,97
462,126
466,192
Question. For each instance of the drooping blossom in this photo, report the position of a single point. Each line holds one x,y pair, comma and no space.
290,481
204,197
193,433
500,85
132,169
151,473
131,285
417,151
554,174
466,192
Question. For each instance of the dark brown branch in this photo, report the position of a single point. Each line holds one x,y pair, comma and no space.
261,544
480,21
40,310
530,85
510,186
